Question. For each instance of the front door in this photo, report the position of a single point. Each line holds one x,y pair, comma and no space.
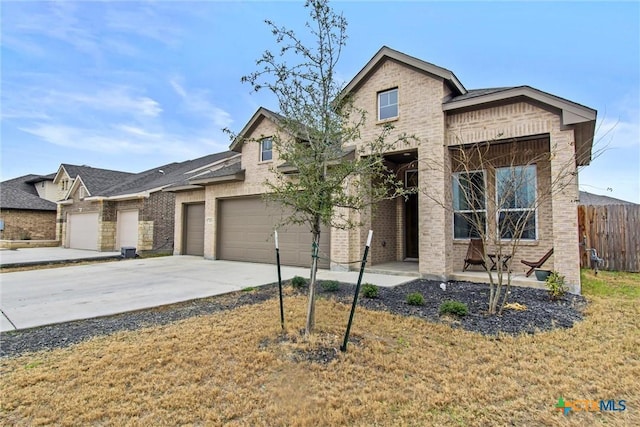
411,226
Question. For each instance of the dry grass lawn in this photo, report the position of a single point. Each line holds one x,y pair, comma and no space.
233,368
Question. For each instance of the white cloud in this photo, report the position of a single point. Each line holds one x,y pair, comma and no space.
618,133
120,139
197,102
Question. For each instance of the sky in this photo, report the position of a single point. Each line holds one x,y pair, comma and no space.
133,85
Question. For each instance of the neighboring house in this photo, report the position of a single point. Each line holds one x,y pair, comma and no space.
589,199
106,210
28,208
427,101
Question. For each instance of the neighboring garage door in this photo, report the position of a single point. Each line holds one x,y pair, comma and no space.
245,233
82,230
127,229
194,229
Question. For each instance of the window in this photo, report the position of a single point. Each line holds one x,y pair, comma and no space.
516,200
411,178
388,104
469,205
266,152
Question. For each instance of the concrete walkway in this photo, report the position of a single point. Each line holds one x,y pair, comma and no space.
41,297
34,256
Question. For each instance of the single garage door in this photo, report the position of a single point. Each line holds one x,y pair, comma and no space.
127,229
82,229
194,229
245,233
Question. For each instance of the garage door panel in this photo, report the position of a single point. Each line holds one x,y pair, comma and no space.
194,229
127,229
82,229
245,233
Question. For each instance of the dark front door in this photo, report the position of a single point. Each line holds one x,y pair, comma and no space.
411,226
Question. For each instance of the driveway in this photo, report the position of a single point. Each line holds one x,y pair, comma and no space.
41,297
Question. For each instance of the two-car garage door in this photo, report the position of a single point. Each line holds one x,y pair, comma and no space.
245,233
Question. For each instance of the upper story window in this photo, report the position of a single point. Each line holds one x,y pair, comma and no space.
266,150
388,104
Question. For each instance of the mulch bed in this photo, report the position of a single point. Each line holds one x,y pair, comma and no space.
540,315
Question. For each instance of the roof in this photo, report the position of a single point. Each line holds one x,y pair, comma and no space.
572,113
18,193
165,175
94,179
386,53
598,200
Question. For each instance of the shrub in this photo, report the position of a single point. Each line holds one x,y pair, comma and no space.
331,286
369,291
555,286
298,282
456,308
415,298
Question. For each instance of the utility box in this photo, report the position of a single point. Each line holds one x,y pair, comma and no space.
128,252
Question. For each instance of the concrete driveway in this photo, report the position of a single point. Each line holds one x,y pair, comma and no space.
41,297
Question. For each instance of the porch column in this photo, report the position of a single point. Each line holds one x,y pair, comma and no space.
435,238
340,245
564,182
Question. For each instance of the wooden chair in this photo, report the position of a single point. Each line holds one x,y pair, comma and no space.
537,264
475,254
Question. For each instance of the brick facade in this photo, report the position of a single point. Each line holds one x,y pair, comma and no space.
28,225
520,122
155,221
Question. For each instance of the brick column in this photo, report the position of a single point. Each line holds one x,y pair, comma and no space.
566,256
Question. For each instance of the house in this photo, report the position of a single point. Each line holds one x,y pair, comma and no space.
427,101
106,210
590,199
28,208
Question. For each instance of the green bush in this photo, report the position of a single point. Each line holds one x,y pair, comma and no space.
415,298
331,286
369,291
555,286
298,282
456,308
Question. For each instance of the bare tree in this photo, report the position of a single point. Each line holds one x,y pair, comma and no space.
318,136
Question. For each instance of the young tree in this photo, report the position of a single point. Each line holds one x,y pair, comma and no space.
497,188
317,134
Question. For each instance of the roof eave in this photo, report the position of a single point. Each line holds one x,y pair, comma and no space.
236,177
187,187
572,113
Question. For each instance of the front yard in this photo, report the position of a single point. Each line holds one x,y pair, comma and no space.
234,368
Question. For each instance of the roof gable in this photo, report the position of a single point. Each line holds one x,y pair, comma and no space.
261,114
386,53
572,113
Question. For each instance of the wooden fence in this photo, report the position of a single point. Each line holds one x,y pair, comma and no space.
614,231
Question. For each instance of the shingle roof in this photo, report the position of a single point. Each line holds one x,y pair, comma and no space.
96,180
473,93
596,199
163,176
17,193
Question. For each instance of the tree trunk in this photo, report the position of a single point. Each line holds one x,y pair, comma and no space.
311,308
